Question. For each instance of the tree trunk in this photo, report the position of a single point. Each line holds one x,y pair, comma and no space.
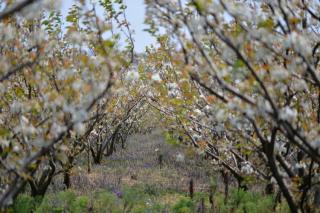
39,187
66,178
191,188
88,159
225,177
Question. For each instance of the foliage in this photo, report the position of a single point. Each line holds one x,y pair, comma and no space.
106,200
184,206
25,204
242,201
60,202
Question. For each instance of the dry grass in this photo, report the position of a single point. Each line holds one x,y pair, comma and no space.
138,164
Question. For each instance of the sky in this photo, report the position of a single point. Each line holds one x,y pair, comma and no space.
135,14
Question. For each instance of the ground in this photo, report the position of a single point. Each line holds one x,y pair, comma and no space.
132,180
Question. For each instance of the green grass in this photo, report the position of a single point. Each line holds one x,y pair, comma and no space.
142,199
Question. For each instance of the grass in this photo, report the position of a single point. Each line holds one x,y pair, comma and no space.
139,199
131,181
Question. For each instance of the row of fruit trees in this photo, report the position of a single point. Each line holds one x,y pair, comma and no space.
238,80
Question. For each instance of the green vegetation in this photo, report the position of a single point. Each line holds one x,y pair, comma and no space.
137,199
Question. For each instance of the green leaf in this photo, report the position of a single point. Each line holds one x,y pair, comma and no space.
19,92
4,132
267,24
238,64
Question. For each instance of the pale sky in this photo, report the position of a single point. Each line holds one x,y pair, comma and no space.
135,14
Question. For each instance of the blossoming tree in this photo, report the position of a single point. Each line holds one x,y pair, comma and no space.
55,85
253,86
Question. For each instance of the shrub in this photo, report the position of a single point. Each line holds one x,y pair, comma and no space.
155,208
104,201
133,195
60,202
25,204
80,204
247,202
151,190
184,206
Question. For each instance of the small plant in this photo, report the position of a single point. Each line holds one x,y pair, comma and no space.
184,206
151,190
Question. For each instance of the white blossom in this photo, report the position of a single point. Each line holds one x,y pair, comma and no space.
279,73
232,105
249,112
16,107
299,85
279,147
220,115
208,109
172,86
180,157
80,128
57,129
76,85
78,115
77,37
156,77
94,133
288,114
196,137
132,76
174,93
298,42
4,143
246,168
9,30
300,165
198,112
16,149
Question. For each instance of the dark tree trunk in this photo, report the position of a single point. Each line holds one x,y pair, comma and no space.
225,177
39,187
211,200
317,197
201,207
67,179
191,188
269,190
160,159
279,179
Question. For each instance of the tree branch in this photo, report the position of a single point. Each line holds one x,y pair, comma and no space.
17,7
